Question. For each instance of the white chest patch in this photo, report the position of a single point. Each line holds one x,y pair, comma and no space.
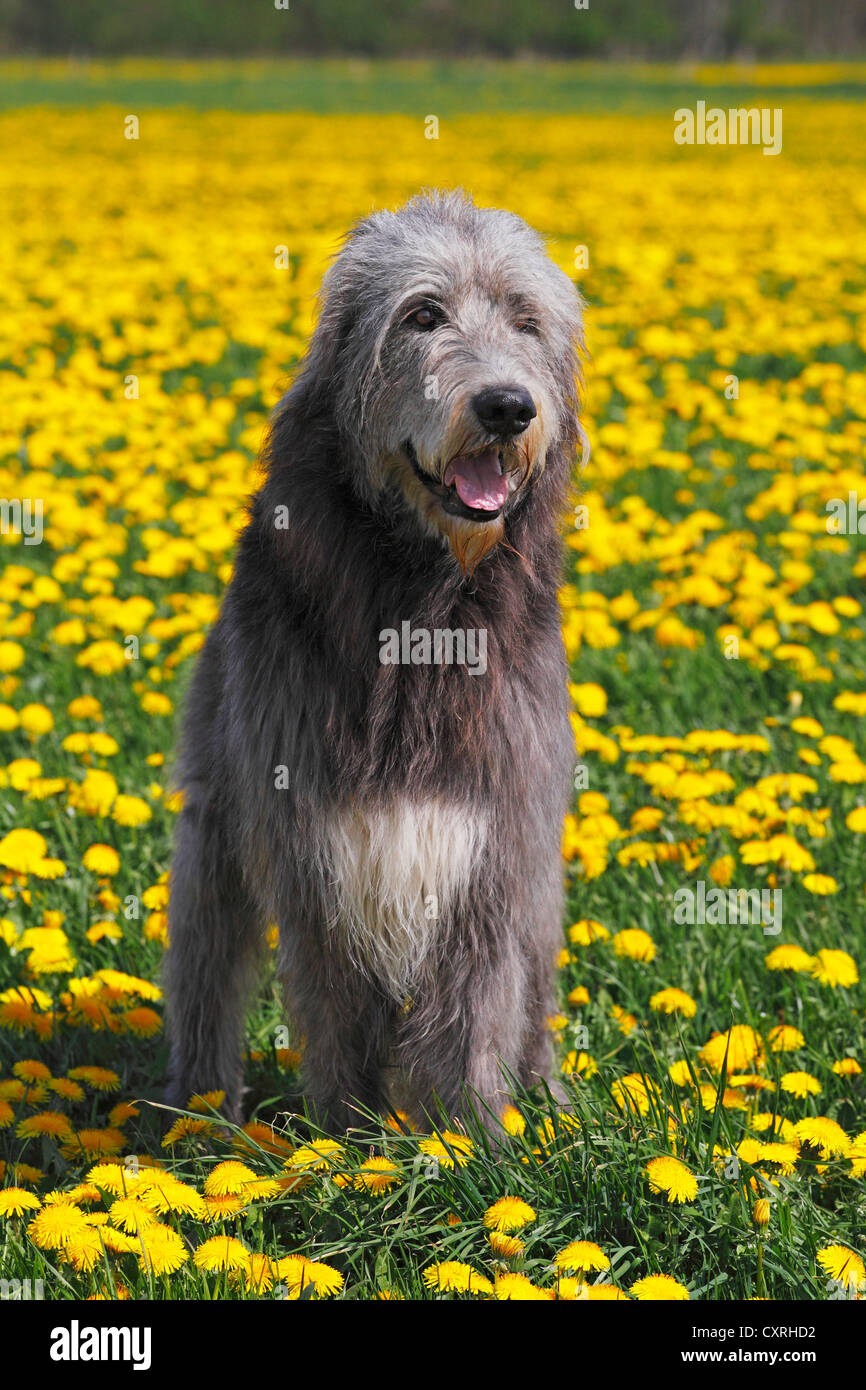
396,871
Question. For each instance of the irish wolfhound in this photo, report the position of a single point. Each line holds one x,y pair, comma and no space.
376,752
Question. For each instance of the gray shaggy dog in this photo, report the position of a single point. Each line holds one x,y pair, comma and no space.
376,751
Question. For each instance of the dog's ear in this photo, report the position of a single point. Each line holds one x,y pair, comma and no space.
569,366
334,322
316,385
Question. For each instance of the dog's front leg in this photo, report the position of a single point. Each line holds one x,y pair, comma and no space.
346,1022
214,931
465,1030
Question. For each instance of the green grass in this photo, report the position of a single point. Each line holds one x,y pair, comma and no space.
582,1170
443,88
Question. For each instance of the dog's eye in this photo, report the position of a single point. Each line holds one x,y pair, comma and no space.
425,317
527,325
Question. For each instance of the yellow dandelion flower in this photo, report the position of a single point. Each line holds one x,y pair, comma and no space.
315,1158
101,859
634,943
209,1100
24,1172
154,702
751,1082
800,1084
289,1058
90,1143
96,795
122,983
783,1155
741,1043
23,851
659,1288
582,1255
218,1208
674,1001
85,1193
518,1288
32,1071
579,1063
69,1090
857,1155
822,885
508,1214
512,1120
55,1226
131,1215
448,1148
324,1278
257,1135
229,1178
36,719
680,1073
100,1078
834,968
141,1022
259,1273
789,957
761,1212
84,1249
11,656
632,1092
842,1264
847,1066
824,1134
625,1021
164,1193
114,1178
571,1290
84,707
221,1252
452,1276
378,1175
131,810
587,930
506,1247
785,1038
301,1274
118,1242
48,1122
162,1250
186,1127
667,1174
104,658
590,700
15,1201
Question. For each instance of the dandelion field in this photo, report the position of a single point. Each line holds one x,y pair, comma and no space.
155,297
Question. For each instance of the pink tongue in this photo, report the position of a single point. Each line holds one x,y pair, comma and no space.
479,480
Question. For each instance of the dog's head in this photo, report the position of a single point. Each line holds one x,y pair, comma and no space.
449,341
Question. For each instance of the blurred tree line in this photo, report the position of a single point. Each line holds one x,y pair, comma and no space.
708,29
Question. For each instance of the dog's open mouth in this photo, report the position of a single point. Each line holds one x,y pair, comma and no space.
474,486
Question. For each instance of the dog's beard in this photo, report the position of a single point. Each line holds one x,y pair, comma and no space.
470,542
465,497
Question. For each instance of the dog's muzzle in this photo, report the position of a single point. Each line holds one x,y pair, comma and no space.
473,486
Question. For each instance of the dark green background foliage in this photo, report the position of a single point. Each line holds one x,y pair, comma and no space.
650,28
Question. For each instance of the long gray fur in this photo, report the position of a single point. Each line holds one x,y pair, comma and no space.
408,787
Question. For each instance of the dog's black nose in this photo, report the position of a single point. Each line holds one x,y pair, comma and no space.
504,410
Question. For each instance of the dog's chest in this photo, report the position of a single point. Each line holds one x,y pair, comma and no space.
396,871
